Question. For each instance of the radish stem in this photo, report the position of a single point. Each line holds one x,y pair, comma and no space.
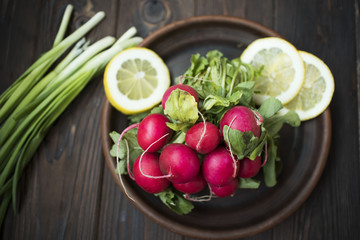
120,178
135,125
265,157
232,155
203,132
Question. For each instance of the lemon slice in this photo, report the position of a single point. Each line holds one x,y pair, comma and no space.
283,69
317,91
135,80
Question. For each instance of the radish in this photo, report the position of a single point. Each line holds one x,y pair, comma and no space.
203,137
151,129
180,162
249,168
195,185
183,87
149,140
145,170
243,119
219,168
225,190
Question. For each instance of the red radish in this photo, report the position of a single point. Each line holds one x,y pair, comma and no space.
151,130
195,185
249,168
179,161
219,168
225,190
145,175
203,137
243,119
182,87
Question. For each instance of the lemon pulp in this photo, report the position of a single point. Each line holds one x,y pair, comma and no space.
137,79
282,72
317,90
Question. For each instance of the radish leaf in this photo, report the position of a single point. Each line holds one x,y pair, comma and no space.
175,201
181,107
248,183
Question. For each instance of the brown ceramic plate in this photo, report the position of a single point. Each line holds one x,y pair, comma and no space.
303,150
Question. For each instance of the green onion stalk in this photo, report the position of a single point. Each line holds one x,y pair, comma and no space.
37,98
11,97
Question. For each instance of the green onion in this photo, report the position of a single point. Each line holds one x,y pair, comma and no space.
63,25
67,67
11,121
10,99
30,106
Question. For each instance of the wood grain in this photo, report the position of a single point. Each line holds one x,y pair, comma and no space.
67,191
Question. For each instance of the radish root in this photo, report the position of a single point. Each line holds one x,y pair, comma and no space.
127,158
205,198
118,145
149,176
117,163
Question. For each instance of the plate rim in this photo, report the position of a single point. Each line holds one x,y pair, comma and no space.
206,233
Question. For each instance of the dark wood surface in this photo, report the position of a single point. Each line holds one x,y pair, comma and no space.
67,191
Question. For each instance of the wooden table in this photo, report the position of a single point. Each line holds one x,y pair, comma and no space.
67,191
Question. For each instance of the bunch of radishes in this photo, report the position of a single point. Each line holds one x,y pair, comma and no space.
204,159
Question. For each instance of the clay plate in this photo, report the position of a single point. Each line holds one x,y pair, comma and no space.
303,150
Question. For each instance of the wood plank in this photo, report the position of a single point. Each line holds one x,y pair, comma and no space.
357,42
15,34
60,188
118,218
327,29
148,16
258,11
15,61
